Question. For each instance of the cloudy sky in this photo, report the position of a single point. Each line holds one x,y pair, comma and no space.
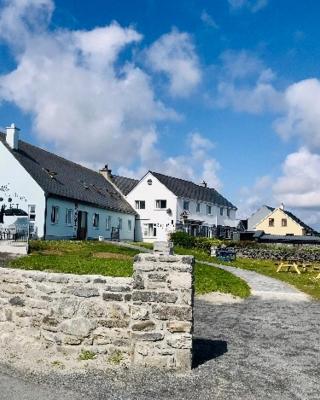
223,90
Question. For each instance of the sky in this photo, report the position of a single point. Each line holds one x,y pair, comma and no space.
225,91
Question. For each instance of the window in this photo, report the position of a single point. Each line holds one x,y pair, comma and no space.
140,204
95,220
186,205
69,216
108,223
120,223
271,221
284,222
54,214
149,230
209,209
161,204
221,210
228,212
198,207
32,212
129,224
149,182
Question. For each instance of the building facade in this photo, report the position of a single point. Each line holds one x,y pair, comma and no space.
166,204
62,199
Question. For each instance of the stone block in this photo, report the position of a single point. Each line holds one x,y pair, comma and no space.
183,359
180,280
79,327
13,288
180,341
147,336
179,326
143,326
17,301
172,312
113,323
140,312
154,297
107,296
85,291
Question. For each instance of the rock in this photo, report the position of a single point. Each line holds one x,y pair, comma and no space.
180,341
143,326
170,312
85,291
154,297
112,296
79,327
13,288
17,301
148,336
179,326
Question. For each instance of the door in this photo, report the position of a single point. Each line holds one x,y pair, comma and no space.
82,228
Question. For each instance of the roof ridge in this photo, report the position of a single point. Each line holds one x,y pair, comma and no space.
184,180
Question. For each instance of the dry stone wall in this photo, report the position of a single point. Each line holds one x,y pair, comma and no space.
145,320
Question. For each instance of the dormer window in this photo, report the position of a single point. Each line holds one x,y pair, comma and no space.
186,204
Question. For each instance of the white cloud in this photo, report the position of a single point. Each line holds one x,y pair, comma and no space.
174,55
196,165
245,84
299,185
302,118
252,5
207,19
90,109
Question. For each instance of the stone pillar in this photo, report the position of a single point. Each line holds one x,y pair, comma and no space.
162,311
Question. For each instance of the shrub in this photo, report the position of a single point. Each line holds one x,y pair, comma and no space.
183,239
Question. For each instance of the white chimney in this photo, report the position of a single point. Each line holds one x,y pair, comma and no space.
282,206
12,136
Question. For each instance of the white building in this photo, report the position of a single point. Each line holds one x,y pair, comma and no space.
165,204
63,200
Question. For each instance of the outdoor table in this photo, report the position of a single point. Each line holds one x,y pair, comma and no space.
295,265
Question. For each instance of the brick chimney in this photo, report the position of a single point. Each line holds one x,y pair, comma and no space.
12,136
106,172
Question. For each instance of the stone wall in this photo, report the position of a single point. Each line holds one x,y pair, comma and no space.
280,253
145,320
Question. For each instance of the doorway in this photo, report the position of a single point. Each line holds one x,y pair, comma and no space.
82,228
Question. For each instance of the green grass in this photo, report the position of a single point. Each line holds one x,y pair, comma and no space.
211,279
146,245
303,282
76,257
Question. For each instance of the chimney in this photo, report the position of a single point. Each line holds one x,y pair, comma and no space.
204,184
106,172
12,136
282,206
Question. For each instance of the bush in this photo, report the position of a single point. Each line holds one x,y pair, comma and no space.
187,241
183,239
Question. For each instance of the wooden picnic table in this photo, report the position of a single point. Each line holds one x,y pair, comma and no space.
295,265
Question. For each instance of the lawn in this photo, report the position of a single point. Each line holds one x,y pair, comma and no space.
302,282
98,258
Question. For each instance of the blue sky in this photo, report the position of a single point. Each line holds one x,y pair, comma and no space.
224,90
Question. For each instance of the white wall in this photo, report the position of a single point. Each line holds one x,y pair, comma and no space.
150,215
62,230
214,219
20,184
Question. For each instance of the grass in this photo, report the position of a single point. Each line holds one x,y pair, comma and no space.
98,258
75,257
86,355
302,282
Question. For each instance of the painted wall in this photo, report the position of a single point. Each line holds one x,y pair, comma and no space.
291,228
164,222
21,187
63,230
257,217
213,219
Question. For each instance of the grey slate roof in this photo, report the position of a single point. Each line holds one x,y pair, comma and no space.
307,228
60,177
124,184
190,190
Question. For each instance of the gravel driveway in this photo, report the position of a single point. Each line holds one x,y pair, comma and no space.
255,349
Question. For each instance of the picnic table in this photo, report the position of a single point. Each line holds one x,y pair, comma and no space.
296,265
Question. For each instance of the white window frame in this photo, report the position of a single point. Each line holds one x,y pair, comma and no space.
198,207
158,202
120,223
228,212
138,204
186,205
96,220
55,211
129,225
209,207
69,212
221,211
108,223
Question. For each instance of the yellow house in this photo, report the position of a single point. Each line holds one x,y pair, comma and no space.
283,222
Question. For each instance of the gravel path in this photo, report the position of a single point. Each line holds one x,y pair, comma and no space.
264,287
256,349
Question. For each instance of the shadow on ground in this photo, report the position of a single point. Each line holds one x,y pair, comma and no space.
206,349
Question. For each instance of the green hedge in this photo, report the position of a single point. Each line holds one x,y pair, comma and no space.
187,241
